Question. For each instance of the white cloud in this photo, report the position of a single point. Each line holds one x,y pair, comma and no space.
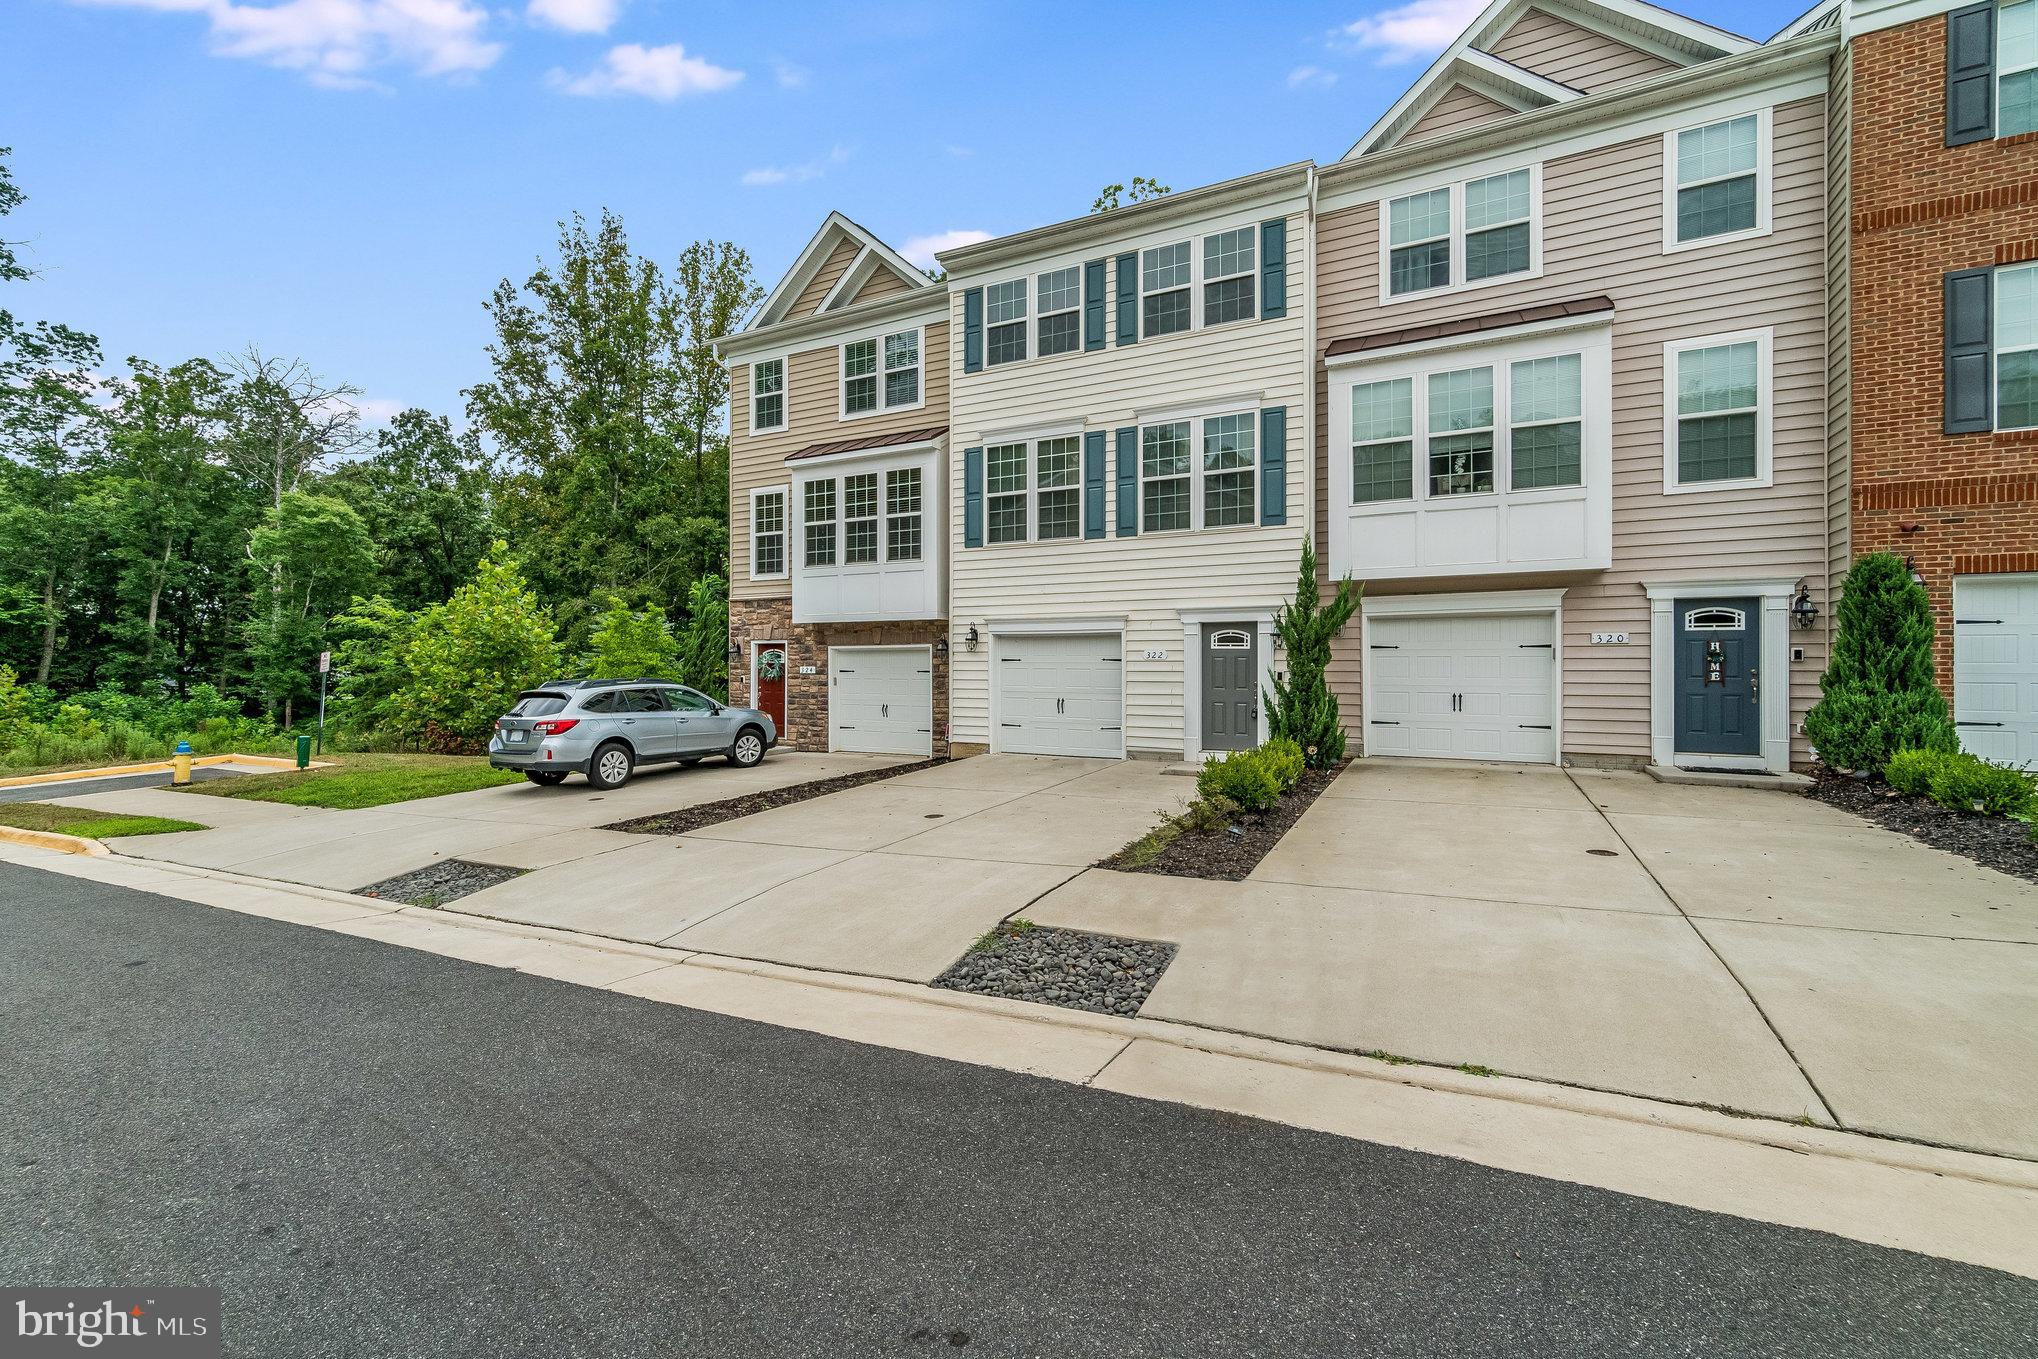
767,175
576,16
1310,75
1421,28
921,250
338,42
789,76
662,73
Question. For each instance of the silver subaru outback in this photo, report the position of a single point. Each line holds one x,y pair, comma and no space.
604,729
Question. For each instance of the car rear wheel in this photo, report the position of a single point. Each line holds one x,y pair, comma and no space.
749,748
610,766
546,778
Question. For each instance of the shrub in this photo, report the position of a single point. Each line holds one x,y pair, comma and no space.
1910,771
1208,815
1878,692
1285,759
1246,777
629,644
1300,706
1968,783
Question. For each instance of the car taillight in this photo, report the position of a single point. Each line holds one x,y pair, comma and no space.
552,726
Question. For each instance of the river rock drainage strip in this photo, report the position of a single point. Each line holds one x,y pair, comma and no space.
439,883
1097,972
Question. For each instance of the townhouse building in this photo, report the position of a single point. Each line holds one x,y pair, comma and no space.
1572,335
1935,314
838,500
1129,472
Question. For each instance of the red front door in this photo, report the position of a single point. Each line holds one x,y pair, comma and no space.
771,682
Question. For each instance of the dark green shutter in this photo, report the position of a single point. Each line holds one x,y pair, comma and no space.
1969,337
1128,481
1274,465
1093,477
1128,298
1274,267
973,497
1971,74
973,330
1093,305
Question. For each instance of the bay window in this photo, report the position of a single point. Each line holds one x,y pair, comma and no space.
820,523
902,514
859,518
1461,432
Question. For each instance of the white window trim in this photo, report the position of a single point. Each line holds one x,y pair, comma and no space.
2002,73
876,517
834,563
785,391
1257,621
1765,410
1195,422
1040,316
1025,321
1192,243
1199,268
1459,283
842,411
886,516
1764,154
1033,489
1996,349
784,491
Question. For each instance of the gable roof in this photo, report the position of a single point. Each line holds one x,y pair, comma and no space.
1674,37
872,255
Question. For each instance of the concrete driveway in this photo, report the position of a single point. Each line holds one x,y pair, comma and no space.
1751,949
892,879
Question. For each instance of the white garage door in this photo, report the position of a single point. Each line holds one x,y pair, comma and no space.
1060,695
1995,666
1470,687
881,699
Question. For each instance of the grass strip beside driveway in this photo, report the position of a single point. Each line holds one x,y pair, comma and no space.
84,822
355,781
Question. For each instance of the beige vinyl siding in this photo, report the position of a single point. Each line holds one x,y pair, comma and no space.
1602,224
882,282
1151,579
1570,55
832,269
1459,108
1839,338
815,402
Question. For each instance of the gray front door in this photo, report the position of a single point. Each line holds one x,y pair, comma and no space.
1231,686
1719,691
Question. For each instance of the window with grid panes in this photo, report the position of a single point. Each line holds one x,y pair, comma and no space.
1005,322
2016,347
1005,492
767,395
902,368
859,518
1165,474
1383,441
1230,455
1497,225
902,514
1544,434
1057,480
767,534
1419,242
1059,303
1718,396
1716,178
820,523
1461,432
859,376
1230,259
1164,274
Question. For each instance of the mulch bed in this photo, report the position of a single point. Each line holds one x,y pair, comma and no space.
1069,968
1228,855
729,809
1997,842
439,883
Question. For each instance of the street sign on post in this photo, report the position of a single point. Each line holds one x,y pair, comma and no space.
325,665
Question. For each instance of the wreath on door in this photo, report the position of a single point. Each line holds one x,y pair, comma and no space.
771,665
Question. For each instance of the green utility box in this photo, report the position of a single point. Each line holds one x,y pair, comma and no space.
304,752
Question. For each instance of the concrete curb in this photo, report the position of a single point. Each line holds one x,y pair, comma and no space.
62,844
114,771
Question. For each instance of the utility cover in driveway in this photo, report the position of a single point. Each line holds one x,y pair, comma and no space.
1059,695
1466,687
881,699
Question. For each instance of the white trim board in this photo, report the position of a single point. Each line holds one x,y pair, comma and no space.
1049,627
1193,621
1549,602
1775,593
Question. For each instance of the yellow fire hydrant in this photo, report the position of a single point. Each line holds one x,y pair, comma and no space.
180,764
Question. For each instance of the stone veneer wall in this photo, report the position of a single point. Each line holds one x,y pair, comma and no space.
806,696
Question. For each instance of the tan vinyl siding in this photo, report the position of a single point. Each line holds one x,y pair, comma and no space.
815,402
817,289
1570,55
1602,222
1459,108
1151,579
881,283
1839,298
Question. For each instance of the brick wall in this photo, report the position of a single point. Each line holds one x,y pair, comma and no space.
806,696
1919,209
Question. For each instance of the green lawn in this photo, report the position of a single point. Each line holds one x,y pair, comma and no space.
363,781
47,816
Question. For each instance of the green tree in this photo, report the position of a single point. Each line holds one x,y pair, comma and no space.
371,645
1118,195
1878,694
468,658
632,644
426,496
704,641
1300,706
310,558
16,707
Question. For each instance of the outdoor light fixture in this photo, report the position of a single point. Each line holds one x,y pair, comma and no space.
735,652
970,639
1917,576
1803,612
940,648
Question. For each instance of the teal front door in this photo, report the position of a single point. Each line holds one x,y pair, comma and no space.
1719,689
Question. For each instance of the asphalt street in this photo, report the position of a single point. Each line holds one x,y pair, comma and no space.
376,1151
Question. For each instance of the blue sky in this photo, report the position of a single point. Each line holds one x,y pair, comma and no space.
345,180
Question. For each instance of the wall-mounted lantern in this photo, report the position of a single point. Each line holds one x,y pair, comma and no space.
1803,612
970,638
735,651
940,648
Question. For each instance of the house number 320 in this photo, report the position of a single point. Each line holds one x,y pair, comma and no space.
1609,639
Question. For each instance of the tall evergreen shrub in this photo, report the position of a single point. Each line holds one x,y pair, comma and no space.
1300,706
1879,695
